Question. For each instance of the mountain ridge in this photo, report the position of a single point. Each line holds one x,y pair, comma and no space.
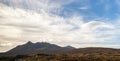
36,48
48,48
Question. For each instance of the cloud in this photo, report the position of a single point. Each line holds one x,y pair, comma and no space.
6,44
32,24
36,5
84,8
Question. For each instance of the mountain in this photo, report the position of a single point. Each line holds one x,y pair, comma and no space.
36,48
47,48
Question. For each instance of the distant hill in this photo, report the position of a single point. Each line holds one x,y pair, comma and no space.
36,48
89,50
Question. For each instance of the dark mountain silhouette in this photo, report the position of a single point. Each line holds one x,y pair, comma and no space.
36,48
47,48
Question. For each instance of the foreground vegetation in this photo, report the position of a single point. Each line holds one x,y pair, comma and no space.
66,57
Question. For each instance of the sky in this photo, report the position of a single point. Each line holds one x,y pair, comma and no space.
79,23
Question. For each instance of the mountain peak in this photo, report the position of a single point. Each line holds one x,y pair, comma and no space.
29,43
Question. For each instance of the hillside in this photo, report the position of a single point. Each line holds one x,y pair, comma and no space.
94,50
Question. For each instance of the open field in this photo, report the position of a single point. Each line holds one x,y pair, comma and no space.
66,57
